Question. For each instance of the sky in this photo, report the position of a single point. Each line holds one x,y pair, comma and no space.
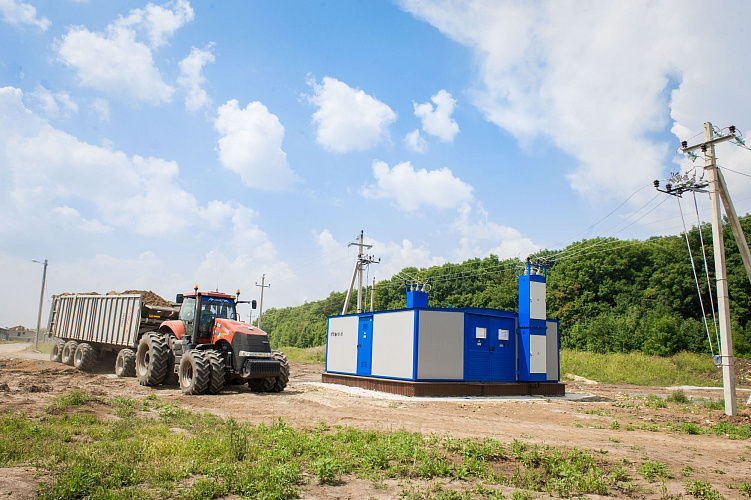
155,146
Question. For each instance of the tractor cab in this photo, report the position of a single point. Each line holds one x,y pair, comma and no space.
199,310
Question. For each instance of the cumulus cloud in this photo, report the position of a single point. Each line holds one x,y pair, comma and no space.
250,144
481,236
159,22
411,190
101,108
116,62
414,142
191,78
599,80
348,119
50,103
437,120
18,13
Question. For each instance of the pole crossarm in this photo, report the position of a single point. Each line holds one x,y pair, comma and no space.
705,144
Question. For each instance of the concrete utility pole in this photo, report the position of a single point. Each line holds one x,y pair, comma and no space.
41,302
716,191
362,261
262,285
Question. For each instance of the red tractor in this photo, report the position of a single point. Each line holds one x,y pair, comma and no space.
207,347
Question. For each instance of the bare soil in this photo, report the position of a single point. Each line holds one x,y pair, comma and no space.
584,419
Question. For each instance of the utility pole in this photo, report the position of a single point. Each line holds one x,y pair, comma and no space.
362,261
372,295
717,190
41,302
262,285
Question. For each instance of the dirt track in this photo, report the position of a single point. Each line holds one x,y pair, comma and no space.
29,382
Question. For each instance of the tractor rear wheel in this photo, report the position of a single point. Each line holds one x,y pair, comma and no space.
56,354
125,364
218,372
69,351
152,359
85,357
194,373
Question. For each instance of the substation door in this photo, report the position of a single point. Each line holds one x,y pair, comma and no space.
365,345
489,345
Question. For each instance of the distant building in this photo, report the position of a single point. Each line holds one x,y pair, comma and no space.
17,333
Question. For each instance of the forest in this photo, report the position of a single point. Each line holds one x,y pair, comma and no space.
609,295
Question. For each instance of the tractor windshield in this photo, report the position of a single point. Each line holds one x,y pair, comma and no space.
219,307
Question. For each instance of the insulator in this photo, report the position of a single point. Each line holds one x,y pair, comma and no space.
656,183
732,129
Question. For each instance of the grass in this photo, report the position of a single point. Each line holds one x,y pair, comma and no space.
639,369
175,453
300,355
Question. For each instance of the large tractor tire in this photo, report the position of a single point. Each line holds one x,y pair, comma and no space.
69,352
194,373
218,372
152,359
56,354
125,364
273,384
85,357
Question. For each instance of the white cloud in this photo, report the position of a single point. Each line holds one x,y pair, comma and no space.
17,13
159,23
593,77
414,142
50,103
348,119
115,62
411,189
250,144
101,108
437,121
191,78
480,236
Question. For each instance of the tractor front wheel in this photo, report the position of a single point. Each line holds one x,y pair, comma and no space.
152,359
194,373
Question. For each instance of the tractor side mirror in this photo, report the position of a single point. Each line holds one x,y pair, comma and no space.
179,298
253,304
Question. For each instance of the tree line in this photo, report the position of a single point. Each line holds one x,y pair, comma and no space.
610,295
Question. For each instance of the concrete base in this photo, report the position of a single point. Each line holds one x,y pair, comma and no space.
412,388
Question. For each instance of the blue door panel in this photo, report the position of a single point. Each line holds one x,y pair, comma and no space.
491,358
365,345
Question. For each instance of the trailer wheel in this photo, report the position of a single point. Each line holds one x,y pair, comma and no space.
218,372
194,373
125,364
56,354
69,352
152,359
85,357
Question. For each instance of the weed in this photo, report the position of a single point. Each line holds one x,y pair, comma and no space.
615,425
655,402
614,440
679,397
521,495
577,424
75,397
745,489
652,469
701,489
325,470
687,471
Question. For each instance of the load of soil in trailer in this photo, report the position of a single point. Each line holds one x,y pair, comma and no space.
149,297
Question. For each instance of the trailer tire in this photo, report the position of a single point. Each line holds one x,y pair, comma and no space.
194,373
125,364
218,372
56,355
152,359
69,352
85,357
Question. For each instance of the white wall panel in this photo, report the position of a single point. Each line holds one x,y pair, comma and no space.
440,345
537,306
552,347
537,354
393,344
341,353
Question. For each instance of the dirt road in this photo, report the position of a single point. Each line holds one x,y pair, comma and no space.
608,419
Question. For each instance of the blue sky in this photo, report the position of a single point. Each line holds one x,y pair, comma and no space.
158,145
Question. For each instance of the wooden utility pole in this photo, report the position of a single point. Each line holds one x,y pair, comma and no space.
263,286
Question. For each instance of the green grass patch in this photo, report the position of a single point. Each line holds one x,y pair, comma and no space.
704,490
75,397
639,369
309,355
185,455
